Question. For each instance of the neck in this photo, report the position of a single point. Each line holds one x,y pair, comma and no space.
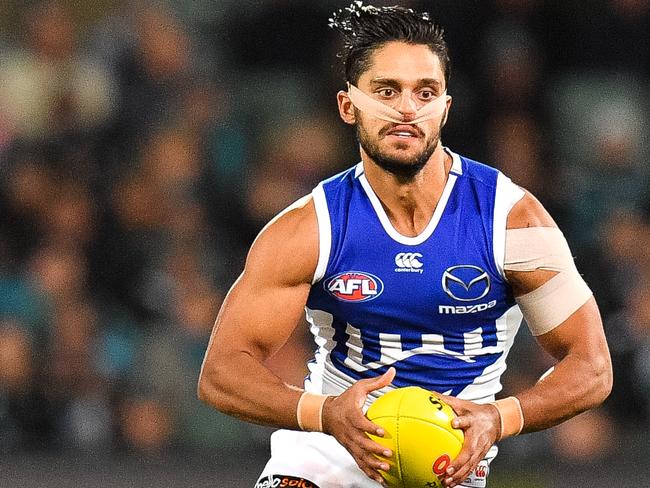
410,202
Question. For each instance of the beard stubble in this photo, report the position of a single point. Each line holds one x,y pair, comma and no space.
404,169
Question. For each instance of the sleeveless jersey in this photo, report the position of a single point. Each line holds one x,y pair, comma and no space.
435,306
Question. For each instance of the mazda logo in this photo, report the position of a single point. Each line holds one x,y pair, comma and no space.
465,282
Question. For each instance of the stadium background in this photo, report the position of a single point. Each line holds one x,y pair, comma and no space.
143,145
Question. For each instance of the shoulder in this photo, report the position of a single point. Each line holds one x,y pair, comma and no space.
522,208
520,205
336,187
287,247
474,170
344,177
529,212
525,246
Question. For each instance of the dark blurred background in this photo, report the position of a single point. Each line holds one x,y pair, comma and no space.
144,144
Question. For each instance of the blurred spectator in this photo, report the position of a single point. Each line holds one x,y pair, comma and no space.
513,61
146,425
46,86
153,77
629,333
587,438
16,363
516,150
294,158
600,120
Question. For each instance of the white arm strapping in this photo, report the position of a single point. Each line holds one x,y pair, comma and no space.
545,248
533,248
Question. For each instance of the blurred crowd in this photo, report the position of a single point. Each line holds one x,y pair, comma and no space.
144,144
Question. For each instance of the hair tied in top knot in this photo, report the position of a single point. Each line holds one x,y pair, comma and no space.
364,28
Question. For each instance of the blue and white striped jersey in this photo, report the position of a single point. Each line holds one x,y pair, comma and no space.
435,306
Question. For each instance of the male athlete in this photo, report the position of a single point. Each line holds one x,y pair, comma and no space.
414,268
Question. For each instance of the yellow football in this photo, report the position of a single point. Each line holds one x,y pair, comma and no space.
418,430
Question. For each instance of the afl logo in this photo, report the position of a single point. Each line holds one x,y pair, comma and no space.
354,286
465,282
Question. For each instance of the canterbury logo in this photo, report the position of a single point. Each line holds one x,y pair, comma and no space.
409,261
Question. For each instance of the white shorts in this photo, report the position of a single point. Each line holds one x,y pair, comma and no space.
317,460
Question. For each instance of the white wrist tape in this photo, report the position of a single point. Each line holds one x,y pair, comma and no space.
553,302
511,416
309,412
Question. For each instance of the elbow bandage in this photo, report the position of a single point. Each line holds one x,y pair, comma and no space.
309,412
545,248
511,416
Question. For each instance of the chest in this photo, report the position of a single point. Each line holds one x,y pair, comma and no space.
448,280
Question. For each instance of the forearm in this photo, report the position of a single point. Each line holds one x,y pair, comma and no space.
243,387
575,385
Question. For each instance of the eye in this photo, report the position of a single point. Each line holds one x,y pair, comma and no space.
386,92
427,94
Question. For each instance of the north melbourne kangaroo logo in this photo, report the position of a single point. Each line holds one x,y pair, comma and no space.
409,262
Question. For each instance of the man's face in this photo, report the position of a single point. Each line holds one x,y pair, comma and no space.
406,77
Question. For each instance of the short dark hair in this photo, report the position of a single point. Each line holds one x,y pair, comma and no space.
366,28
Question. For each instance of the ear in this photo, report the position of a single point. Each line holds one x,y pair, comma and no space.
346,109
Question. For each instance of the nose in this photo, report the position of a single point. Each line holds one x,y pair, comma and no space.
406,105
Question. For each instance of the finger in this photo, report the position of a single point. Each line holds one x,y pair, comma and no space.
466,461
378,464
453,402
374,475
460,461
370,465
375,448
365,459
461,422
360,422
374,466
462,473
372,384
370,427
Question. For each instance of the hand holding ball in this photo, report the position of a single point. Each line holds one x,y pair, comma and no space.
418,430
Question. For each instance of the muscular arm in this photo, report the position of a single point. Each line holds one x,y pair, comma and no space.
257,317
255,320
582,378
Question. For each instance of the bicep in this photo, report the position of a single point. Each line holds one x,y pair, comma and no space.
527,213
540,268
267,301
258,318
